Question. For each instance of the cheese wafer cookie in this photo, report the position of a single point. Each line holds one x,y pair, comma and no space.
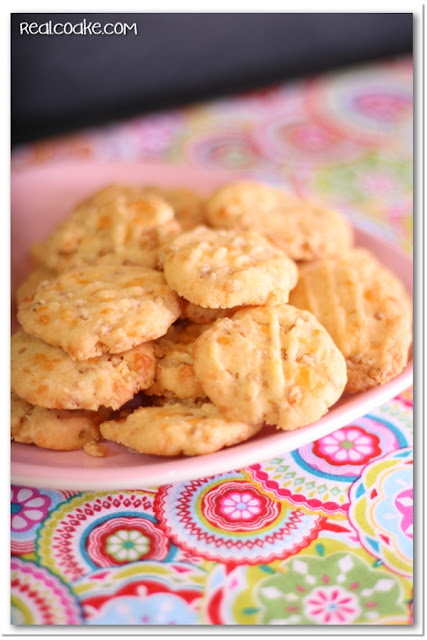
30,284
61,430
188,205
174,376
177,428
237,203
301,228
118,225
365,309
224,268
273,364
95,310
48,377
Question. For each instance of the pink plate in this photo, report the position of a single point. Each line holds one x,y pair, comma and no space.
40,198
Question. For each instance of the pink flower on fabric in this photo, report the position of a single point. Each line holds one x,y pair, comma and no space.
311,136
28,507
331,605
383,106
404,502
350,445
240,505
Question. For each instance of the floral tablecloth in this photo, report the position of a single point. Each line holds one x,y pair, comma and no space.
320,535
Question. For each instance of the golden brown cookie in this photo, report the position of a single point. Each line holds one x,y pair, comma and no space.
188,205
117,225
30,284
95,310
48,377
238,203
56,429
301,228
177,428
174,376
365,309
221,269
273,364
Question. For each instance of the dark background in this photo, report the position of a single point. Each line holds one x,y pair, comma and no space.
64,82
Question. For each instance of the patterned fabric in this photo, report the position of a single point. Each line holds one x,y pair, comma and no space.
317,536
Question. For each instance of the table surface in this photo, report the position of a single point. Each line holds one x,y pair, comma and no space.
320,535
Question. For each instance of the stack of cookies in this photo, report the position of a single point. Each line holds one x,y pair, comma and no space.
174,324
